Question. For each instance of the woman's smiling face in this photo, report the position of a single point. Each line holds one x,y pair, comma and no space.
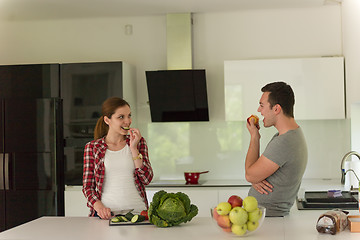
120,121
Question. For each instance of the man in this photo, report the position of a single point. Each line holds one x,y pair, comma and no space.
276,174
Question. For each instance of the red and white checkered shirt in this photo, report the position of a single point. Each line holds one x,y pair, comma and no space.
94,171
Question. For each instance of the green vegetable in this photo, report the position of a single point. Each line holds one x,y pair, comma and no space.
115,219
171,209
123,219
137,218
129,216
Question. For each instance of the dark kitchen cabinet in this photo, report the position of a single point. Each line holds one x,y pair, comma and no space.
29,81
31,144
84,87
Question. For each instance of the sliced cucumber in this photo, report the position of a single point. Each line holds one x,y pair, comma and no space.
129,216
115,219
137,218
123,219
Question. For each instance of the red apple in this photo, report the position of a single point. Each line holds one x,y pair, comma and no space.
224,221
235,201
256,120
226,229
215,214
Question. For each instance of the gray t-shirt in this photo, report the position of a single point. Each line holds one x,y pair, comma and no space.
289,151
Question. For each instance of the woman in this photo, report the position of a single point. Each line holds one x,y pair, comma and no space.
116,163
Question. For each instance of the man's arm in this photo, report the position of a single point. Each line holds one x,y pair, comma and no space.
257,168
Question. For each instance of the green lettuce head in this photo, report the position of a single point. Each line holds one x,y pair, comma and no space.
171,209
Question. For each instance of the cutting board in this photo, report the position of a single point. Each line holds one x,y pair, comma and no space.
146,222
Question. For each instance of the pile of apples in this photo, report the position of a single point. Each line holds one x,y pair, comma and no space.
238,215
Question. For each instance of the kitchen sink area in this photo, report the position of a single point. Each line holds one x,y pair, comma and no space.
318,200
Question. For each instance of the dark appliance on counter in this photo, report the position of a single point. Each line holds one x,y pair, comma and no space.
320,200
31,151
84,87
177,95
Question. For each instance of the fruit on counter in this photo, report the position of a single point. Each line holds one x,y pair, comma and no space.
255,215
224,221
223,208
238,216
215,215
239,229
171,209
145,214
251,225
235,201
226,229
240,219
250,203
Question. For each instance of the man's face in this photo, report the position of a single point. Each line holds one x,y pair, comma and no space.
266,111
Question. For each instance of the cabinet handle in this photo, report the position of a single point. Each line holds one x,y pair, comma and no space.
2,187
6,167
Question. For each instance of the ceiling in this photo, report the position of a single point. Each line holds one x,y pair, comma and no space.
65,9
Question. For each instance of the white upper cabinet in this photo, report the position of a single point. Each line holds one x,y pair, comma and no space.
318,84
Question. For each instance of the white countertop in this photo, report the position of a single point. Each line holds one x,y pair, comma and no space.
299,225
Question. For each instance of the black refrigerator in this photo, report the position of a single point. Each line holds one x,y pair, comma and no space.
31,147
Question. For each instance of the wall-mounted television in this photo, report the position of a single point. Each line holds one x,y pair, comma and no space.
177,95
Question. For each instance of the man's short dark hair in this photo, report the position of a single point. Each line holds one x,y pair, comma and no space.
281,93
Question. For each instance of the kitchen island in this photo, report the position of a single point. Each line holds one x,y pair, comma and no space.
205,195
299,225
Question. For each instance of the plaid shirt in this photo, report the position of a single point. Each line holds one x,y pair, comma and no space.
94,170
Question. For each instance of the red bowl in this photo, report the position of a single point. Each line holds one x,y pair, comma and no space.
193,177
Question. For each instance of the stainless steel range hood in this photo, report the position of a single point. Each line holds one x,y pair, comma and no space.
179,41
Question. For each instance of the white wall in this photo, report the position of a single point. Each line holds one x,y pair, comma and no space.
351,39
255,34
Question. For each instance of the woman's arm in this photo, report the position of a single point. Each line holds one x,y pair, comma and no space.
89,183
145,172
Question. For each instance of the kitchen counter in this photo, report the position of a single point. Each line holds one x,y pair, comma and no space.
202,183
317,184
308,184
299,225
205,195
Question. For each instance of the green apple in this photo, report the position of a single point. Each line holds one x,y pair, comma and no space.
250,203
255,215
239,229
251,226
238,216
223,208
